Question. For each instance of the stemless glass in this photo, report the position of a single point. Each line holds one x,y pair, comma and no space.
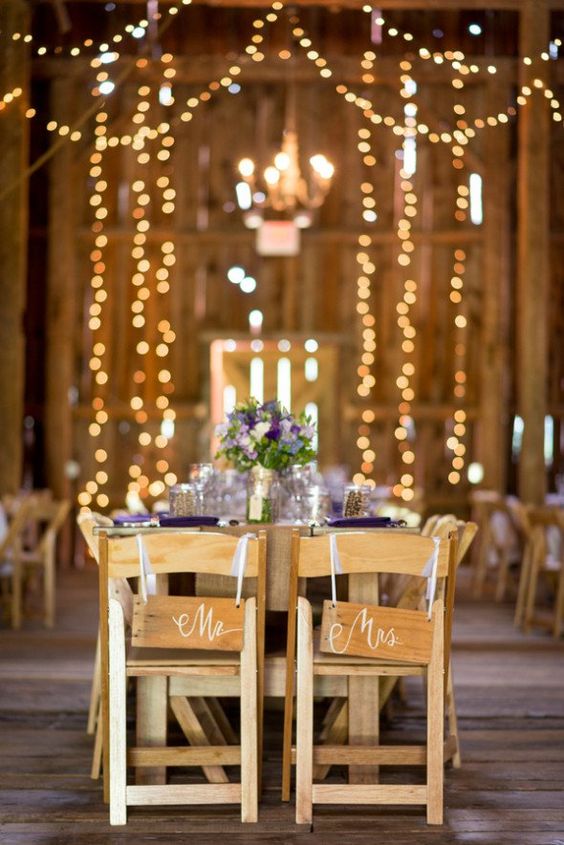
185,500
203,479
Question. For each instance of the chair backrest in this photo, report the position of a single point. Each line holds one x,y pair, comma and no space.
164,621
49,516
365,552
350,628
546,532
87,521
177,551
12,539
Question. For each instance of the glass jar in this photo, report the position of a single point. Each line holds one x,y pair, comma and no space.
355,500
185,500
263,492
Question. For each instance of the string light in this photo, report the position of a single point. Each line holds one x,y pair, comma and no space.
98,364
367,269
142,483
457,426
404,429
72,51
145,134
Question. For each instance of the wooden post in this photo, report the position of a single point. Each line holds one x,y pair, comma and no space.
532,256
14,152
493,423
61,298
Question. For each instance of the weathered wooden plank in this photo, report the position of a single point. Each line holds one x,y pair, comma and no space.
14,145
532,261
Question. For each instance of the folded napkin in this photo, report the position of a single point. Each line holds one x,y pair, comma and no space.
187,521
133,518
360,522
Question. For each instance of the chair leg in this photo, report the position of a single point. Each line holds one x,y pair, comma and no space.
453,720
95,690
49,585
304,715
503,569
481,563
435,723
531,592
249,732
524,578
97,753
559,606
117,704
16,609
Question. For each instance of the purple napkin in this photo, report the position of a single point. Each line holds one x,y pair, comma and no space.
187,521
360,522
132,518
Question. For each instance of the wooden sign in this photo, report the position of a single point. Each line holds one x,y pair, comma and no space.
188,622
358,630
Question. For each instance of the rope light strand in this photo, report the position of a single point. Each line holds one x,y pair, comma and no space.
131,30
454,440
99,360
404,429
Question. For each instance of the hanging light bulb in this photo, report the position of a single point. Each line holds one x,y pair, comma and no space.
284,187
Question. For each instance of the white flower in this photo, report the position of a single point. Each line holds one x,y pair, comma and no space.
260,430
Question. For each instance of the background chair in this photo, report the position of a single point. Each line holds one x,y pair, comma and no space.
29,546
11,566
209,672
542,564
364,556
86,522
502,539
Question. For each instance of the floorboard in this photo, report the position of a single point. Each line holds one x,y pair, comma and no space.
510,790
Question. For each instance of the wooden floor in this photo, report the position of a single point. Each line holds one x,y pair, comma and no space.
510,789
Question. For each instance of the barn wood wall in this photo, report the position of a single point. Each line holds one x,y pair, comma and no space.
315,294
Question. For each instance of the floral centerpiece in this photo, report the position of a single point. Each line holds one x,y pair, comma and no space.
264,439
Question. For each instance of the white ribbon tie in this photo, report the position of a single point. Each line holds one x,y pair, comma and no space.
336,567
240,563
147,577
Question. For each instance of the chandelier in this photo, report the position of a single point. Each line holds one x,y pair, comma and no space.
282,187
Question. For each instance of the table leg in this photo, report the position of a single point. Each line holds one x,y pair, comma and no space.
151,724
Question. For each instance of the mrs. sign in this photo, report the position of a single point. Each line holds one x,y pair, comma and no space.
357,630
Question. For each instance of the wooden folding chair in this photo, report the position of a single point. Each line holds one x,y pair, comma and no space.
11,564
48,517
402,642
543,560
501,539
409,594
211,641
87,521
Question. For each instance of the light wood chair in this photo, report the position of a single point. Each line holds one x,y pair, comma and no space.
87,521
31,545
543,561
11,565
408,593
48,517
210,642
363,556
502,539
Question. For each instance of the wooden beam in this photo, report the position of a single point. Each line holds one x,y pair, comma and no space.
421,411
493,421
201,69
337,5
344,235
532,260
61,298
14,151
